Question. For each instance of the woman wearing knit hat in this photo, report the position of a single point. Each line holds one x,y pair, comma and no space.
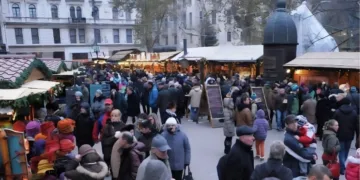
88,165
66,126
85,124
98,104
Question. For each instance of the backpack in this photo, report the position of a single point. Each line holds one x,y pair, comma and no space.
221,167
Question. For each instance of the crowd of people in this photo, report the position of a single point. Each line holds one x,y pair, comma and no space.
144,146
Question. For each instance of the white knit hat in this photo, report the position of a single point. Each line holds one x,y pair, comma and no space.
171,121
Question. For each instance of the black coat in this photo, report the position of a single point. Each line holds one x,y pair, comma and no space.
173,95
348,123
163,99
83,132
323,111
133,107
108,139
240,162
119,102
272,168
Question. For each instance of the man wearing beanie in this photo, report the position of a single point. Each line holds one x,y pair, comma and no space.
348,125
180,154
239,163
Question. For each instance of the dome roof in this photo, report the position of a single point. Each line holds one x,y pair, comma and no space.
280,28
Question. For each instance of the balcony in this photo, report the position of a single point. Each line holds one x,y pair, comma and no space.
40,20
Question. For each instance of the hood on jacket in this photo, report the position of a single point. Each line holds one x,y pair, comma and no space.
196,88
260,114
97,170
228,103
170,112
352,159
346,109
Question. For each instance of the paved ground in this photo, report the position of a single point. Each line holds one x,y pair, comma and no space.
207,148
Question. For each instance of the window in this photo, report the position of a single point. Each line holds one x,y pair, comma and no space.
175,22
213,17
78,12
35,35
72,33
32,11
115,12
184,3
16,10
97,35
184,20
191,38
190,20
56,33
129,36
82,35
229,36
116,36
165,23
127,15
166,38
54,11
19,36
72,12
228,17
189,2
175,39
95,12
201,15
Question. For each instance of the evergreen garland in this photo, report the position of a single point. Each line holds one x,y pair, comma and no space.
38,64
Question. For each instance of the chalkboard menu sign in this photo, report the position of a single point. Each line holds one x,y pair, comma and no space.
105,88
260,98
215,104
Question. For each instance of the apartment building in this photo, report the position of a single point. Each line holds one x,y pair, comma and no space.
186,21
66,29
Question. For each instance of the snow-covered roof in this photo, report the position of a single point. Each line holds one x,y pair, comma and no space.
225,53
39,84
336,60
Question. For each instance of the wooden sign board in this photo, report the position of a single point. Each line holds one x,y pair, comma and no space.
260,98
215,104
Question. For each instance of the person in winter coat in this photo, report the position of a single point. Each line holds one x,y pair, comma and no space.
270,99
101,121
107,141
348,125
155,121
180,153
294,152
163,99
281,109
132,104
243,113
170,112
261,127
85,92
308,109
98,105
239,163
130,157
353,167
119,101
87,165
293,101
147,134
354,99
180,106
195,98
273,168
322,113
76,106
330,142
156,166
84,125
153,95
229,124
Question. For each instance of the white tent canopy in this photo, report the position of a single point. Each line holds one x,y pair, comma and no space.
225,53
38,84
13,94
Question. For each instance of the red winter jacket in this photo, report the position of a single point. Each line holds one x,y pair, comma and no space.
99,124
353,169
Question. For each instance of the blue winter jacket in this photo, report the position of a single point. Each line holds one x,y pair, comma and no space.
153,96
260,126
180,152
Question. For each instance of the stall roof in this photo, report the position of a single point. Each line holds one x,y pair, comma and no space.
120,55
39,84
336,60
13,94
224,53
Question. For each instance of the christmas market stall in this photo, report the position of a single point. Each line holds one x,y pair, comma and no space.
329,67
55,65
225,59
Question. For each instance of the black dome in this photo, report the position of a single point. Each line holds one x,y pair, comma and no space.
280,28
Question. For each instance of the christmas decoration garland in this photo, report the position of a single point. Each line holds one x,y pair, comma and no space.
38,64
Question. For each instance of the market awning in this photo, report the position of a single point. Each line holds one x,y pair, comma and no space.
120,55
335,60
38,84
224,53
14,94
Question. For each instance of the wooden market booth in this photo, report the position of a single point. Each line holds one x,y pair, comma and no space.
329,67
225,59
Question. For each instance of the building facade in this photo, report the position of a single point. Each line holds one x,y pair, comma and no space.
187,20
66,29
